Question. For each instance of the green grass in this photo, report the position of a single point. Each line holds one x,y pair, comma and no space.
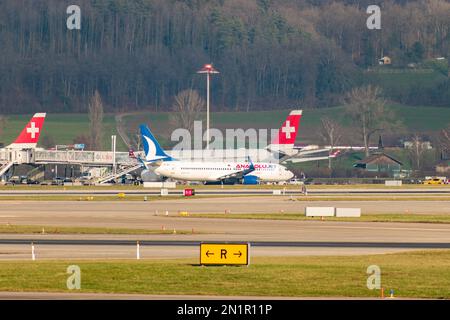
415,118
423,274
28,229
400,80
394,217
423,118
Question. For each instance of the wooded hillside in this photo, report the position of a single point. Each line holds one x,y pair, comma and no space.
271,53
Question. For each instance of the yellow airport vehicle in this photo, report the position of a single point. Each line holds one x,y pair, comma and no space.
224,254
434,181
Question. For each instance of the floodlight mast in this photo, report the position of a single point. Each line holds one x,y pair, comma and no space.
208,69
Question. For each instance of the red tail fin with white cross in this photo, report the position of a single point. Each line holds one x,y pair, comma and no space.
29,136
288,131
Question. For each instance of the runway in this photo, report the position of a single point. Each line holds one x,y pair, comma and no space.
310,244
268,237
78,248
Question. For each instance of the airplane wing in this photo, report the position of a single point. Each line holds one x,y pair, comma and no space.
306,155
296,160
309,152
238,174
319,153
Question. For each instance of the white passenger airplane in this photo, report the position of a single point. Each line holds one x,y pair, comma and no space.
221,172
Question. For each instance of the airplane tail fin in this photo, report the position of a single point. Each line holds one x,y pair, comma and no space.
288,131
335,153
29,136
152,149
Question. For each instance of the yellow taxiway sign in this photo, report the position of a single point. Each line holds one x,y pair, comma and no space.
224,253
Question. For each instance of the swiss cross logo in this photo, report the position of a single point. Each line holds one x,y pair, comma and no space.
287,129
33,130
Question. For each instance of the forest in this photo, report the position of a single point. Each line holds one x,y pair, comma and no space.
270,53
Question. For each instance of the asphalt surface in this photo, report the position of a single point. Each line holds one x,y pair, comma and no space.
20,248
232,192
313,244
11,249
268,237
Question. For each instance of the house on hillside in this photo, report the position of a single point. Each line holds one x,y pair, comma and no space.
380,163
385,61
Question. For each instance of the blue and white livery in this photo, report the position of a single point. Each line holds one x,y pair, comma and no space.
208,171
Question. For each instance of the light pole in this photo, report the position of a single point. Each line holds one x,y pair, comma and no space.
113,149
208,69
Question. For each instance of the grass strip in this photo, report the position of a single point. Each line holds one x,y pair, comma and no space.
421,274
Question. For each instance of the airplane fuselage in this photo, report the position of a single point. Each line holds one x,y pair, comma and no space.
214,171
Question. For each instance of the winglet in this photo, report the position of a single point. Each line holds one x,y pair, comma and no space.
252,167
142,162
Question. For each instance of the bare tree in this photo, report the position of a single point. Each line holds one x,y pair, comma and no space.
444,138
187,108
48,141
331,134
96,121
444,141
81,139
366,107
416,152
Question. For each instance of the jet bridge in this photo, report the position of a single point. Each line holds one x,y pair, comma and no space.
86,158
120,162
